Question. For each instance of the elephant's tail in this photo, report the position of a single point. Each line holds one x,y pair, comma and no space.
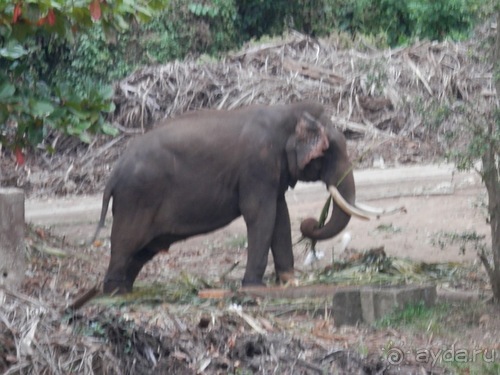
108,192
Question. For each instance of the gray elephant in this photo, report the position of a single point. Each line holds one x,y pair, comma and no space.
200,171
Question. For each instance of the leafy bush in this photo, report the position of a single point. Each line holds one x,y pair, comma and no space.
403,20
31,101
102,57
398,20
29,110
437,19
263,17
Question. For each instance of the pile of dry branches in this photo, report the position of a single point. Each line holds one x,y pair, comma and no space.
377,92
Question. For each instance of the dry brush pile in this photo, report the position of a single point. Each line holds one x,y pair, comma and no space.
407,93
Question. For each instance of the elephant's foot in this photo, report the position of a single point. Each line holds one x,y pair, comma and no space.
251,283
115,286
287,279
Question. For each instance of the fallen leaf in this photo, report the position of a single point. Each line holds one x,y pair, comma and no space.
20,159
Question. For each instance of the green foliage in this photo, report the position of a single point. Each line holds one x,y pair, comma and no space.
33,35
91,59
29,110
181,28
263,17
403,20
436,19
397,20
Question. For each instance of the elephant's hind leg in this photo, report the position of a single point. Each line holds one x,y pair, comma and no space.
125,265
123,272
123,250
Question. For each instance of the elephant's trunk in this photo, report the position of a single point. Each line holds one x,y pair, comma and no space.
343,198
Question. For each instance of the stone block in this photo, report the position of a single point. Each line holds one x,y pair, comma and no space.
346,308
13,262
377,302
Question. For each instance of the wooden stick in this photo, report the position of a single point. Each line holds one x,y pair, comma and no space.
84,298
278,291
313,72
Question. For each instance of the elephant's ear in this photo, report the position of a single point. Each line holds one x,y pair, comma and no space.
311,140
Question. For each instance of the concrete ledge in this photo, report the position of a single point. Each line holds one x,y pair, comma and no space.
347,308
370,303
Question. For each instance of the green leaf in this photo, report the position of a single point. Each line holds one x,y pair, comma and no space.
85,137
107,92
76,112
120,23
110,107
13,51
41,108
108,129
7,90
84,126
35,134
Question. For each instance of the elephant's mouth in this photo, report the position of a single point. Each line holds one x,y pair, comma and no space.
360,210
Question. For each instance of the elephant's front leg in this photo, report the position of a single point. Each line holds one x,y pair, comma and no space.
259,213
281,244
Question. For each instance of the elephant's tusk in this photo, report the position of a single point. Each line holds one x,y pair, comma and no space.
379,211
345,206
360,210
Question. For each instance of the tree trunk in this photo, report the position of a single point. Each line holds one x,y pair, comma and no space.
491,178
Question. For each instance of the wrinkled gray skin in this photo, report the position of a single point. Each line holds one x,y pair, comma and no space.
198,172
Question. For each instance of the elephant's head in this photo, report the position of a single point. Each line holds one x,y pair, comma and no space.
318,151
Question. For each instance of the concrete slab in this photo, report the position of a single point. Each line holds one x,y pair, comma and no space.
378,302
346,308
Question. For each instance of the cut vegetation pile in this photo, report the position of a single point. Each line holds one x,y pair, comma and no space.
381,93
36,339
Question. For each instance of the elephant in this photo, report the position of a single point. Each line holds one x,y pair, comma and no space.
200,171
